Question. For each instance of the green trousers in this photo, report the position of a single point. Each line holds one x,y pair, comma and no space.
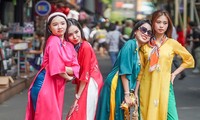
172,111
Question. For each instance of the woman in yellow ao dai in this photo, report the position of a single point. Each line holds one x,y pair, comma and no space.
155,81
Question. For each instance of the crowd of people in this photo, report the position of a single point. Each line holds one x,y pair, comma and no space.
139,51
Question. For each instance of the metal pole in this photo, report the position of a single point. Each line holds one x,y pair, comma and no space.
192,10
185,16
196,15
18,63
176,12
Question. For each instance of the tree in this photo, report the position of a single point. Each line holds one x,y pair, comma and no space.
107,1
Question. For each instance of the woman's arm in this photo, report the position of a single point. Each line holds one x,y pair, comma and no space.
136,90
69,75
176,72
69,70
187,59
78,95
125,83
66,76
81,88
40,50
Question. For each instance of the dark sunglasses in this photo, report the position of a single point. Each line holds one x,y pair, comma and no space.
144,30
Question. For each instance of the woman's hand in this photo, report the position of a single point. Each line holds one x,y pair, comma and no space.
73,108
136,91
175,73
66,77
69,78
136,97
172,78
128,100
75,105
69,70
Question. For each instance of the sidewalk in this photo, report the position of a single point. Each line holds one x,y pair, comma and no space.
19,85
187,93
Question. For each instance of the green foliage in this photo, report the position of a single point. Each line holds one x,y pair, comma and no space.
116,16
107,1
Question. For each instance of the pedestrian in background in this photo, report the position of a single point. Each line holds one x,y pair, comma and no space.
181,37
113,37
86,29
196,43
90,80
60,64
177,34
155,81
100,37
122,78
36,53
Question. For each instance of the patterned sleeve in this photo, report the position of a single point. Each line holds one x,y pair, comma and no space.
85,62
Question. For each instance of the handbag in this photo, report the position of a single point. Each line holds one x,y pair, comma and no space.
127,109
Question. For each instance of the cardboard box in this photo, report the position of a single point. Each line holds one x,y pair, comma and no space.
5,81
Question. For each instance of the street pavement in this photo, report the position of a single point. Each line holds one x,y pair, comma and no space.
187,92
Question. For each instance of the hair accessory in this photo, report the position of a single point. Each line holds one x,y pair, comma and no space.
55,14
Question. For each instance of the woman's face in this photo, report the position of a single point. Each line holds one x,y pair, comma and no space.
144,33
74,34
161,25
58,26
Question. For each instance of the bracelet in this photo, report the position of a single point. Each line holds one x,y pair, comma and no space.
126,93
77,96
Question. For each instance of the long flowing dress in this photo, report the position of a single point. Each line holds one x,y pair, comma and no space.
50,97
89,73
157,101
112,93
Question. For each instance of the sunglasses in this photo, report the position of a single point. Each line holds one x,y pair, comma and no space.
144,30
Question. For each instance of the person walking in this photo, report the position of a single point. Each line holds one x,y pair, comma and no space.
122,78
155,80
177,34
113,37
100,36
196,44
60,64
90,80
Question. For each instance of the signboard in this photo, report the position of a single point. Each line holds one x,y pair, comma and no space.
43,8
126,8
